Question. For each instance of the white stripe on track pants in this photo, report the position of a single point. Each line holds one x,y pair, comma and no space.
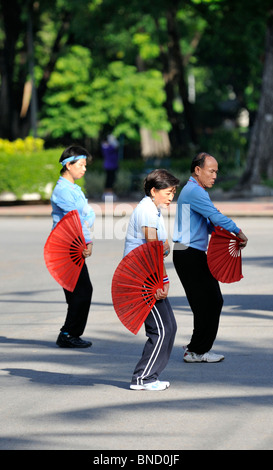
160,327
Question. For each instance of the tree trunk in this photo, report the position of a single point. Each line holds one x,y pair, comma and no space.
175,119
13,124
260,153
54,55
177,72
8,96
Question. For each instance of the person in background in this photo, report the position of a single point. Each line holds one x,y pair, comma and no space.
110,152
146,224
195,217
68,196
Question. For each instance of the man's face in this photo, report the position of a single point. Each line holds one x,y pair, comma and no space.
207,175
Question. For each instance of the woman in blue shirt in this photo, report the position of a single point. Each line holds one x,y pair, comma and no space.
146,225
68,196
195,217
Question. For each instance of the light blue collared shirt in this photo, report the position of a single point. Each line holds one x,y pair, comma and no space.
66,197
196,215
146,214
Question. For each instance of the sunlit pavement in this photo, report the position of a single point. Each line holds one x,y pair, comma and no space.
80,399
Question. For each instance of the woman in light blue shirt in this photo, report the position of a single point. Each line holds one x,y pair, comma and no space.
68,196
146,225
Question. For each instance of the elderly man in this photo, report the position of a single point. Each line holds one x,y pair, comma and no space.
195,217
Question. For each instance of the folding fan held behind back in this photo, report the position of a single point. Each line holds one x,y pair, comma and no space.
63,250
135,281
224,256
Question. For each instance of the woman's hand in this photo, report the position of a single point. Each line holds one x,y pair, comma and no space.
87,251
162,293
166,249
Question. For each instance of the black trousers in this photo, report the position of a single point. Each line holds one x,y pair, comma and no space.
160,327
203,294
78,302
110,179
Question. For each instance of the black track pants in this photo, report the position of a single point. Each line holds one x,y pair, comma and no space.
203,294
160,327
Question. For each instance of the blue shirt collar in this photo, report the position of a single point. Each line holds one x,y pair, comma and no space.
65,181
193,180
68,183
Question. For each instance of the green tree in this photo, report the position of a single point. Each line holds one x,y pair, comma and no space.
101,62
79,102
259,159
26,39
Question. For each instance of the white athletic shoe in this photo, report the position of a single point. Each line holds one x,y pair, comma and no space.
153,386
207,357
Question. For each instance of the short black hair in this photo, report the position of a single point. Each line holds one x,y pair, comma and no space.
159,179
199,160
74,151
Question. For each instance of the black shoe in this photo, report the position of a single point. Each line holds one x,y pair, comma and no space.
67,341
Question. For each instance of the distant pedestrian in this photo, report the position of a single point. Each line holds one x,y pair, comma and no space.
110,152
195,218
68,196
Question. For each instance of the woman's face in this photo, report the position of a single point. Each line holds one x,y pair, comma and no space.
163,197
78,169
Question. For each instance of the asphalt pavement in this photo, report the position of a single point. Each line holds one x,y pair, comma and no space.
56,399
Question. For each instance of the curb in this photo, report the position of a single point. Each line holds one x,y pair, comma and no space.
121,209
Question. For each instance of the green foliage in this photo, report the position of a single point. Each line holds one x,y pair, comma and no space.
28,172
89,50
22,147
229,147
234,67
268,183
79,103
68,101
148,49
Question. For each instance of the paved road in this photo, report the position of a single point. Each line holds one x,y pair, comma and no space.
79,399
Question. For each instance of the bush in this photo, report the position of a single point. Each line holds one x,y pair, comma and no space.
27,170
20,146
30,172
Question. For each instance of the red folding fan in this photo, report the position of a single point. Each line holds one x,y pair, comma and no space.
135,281
63,250
224,256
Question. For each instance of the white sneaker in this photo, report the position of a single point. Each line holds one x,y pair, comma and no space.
207,357
153,386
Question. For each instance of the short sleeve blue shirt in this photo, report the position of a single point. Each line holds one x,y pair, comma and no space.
146,214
